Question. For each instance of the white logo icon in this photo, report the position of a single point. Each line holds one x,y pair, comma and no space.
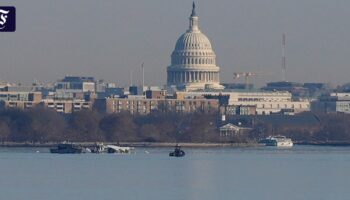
3,17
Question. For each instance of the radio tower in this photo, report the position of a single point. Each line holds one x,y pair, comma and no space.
143,76
283,57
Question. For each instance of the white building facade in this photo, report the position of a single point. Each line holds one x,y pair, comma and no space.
265,102
333,102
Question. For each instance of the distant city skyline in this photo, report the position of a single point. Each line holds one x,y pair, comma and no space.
109,39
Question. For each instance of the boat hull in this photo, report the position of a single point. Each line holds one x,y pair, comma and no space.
177,154
68,148
280,144
66,151
278,141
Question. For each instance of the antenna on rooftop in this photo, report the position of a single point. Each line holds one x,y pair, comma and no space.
131,78
283,57
143,76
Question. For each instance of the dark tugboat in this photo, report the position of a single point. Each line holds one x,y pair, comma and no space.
68,148
177,152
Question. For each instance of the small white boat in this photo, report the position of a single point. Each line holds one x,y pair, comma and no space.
278,141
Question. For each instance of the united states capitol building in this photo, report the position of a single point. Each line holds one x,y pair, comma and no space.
193,61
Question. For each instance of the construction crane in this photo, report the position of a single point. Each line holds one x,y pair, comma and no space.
246,76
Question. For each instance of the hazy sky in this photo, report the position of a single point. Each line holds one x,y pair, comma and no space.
107,39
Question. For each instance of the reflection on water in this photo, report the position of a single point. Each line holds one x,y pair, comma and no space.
303,172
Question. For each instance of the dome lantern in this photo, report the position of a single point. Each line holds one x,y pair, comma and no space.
194,25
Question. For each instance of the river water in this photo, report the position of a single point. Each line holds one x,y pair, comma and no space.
264,173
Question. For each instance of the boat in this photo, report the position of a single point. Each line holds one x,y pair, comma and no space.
177,152
68,148
278,141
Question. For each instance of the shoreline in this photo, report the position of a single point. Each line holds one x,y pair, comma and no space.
168,144
135,144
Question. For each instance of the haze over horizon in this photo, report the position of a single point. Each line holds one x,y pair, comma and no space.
108,39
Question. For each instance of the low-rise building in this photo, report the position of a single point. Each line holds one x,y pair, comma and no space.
230,130
333,102
67,106
156,94
238,110
20,100
265,102
146,106
75,87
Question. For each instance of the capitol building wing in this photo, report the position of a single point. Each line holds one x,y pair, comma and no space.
193,65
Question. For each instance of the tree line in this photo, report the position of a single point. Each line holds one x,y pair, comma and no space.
42,125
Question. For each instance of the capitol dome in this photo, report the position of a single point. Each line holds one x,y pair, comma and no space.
193,65
193,40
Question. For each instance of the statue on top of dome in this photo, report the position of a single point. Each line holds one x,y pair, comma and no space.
193,9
